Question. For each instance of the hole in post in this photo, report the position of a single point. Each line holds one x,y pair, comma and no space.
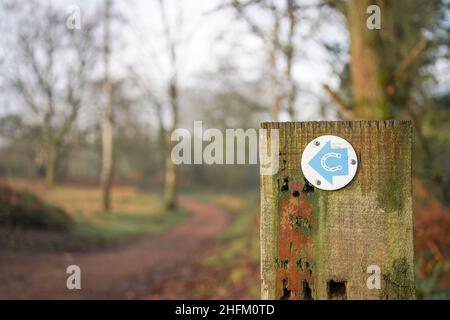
300,264
308,187
286,292
308,267
285,185
337,290
307,294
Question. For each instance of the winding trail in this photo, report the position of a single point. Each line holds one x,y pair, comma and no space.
126,272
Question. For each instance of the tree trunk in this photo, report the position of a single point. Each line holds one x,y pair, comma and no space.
107,125
289,54
107,156
166,162
170,178
50,165
274,74
368,74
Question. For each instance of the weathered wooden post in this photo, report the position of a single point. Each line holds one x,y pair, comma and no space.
319,244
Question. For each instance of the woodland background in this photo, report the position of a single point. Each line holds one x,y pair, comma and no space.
86,115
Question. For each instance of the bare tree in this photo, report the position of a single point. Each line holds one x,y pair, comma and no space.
280,44
48,67
107,121
170,177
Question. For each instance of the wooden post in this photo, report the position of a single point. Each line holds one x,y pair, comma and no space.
318,244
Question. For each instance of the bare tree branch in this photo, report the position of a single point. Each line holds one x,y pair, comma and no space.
343,109
411,58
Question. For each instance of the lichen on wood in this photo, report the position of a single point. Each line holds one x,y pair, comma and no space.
311,238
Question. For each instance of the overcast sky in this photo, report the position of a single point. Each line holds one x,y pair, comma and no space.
209,37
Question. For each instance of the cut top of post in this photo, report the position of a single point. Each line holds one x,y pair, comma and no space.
320,244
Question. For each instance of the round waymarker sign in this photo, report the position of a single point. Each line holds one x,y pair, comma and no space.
329,162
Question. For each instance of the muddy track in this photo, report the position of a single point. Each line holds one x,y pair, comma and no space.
126,272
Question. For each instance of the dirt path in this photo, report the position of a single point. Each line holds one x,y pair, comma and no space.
124,272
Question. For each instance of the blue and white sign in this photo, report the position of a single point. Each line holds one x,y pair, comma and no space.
329,162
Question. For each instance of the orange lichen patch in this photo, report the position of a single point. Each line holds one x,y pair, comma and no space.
295,270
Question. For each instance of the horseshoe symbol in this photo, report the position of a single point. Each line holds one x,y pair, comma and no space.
324,165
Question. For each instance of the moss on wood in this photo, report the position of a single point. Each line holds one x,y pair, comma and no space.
314,236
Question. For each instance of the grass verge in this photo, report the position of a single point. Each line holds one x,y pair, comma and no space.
70,218
238,253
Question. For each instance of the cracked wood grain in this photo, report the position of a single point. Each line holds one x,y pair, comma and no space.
317,244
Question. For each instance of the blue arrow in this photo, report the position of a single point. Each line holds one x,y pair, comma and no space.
330,162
